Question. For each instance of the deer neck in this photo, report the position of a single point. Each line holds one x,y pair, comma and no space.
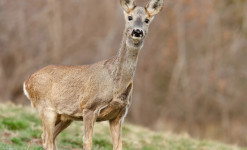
125,64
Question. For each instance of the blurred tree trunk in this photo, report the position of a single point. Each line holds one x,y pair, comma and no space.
55,29
245,17
179,76
179,71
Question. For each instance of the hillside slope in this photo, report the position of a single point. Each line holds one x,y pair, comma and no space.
20,129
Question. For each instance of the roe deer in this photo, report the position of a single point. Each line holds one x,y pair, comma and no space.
97,92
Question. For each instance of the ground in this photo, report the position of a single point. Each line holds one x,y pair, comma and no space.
20,129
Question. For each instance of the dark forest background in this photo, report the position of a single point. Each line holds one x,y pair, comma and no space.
192,71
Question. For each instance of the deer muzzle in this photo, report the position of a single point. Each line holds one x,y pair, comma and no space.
137,33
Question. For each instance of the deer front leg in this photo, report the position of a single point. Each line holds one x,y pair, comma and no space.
89,118
116,131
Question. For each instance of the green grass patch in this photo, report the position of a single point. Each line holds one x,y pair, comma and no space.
14,124
16,141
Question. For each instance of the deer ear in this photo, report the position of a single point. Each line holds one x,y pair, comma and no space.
127,5
154,7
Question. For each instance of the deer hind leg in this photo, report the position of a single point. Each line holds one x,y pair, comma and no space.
89,117
44,136
60,126
49,119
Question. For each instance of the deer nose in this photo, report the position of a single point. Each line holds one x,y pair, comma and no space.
137,33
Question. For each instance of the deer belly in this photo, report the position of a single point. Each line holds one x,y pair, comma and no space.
111,111
68,107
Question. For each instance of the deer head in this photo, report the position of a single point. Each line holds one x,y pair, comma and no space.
138,20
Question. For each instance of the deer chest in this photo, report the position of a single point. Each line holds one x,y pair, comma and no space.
112,110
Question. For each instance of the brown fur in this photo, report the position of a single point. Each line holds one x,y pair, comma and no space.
97,92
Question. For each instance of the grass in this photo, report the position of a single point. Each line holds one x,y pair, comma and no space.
20,129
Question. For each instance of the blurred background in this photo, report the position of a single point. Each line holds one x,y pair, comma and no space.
192,71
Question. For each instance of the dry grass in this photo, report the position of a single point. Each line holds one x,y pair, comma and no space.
20,129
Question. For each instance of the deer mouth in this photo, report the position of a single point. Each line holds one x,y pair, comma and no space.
136,38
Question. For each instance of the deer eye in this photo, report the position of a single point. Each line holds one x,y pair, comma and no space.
146,20
130,18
